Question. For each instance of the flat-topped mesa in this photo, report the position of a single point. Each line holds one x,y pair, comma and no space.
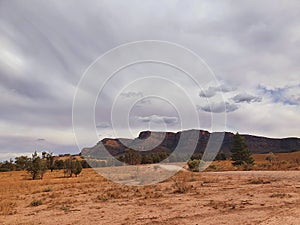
167,142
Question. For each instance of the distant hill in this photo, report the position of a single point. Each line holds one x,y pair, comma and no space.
150,142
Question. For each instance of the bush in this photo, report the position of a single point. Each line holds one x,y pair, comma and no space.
7,166
181,186
47,189
36,167
85,164
4,170
59,164
221,156
196,156
36,203
194,165
22,162
212,167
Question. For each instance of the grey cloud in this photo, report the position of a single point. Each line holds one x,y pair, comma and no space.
145,102
212,91
41,139
245,43
244,97
158,119
103,125
219,107
227,88
132,94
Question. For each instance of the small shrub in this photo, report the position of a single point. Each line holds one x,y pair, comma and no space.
102,198
181,186
246,167
221,204
280,195
264,165
297,161
271,157
259,181
212,167
65,208
36,203
194,165
47,189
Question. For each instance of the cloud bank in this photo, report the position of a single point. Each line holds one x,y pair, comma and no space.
45,47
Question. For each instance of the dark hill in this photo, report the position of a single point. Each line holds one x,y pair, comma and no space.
149,142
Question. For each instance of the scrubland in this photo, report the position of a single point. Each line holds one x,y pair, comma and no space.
216,196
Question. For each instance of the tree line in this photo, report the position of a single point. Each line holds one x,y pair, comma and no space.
37,166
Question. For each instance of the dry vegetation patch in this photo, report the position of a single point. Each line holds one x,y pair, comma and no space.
186,198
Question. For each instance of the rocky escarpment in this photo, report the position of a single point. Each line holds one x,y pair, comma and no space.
149,142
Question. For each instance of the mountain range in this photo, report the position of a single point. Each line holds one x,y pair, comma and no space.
150,142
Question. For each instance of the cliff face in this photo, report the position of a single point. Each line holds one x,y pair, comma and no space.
148,142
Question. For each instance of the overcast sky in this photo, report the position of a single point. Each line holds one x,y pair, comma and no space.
45,47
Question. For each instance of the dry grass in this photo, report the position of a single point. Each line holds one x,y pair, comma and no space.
180,199
259,181
282,161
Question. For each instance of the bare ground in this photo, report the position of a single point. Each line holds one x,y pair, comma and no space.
237,197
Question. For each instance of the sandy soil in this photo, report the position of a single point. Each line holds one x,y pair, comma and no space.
237,197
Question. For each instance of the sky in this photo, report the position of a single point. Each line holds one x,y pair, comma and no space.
47,46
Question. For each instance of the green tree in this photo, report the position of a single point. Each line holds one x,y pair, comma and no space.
22,162
240,154
84,164
77,168
59,164
72,167
50,161
220,156
36,166
68,167
7,166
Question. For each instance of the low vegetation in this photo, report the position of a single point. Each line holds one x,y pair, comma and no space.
184,197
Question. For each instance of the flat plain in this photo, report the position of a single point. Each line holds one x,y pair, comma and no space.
211,197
